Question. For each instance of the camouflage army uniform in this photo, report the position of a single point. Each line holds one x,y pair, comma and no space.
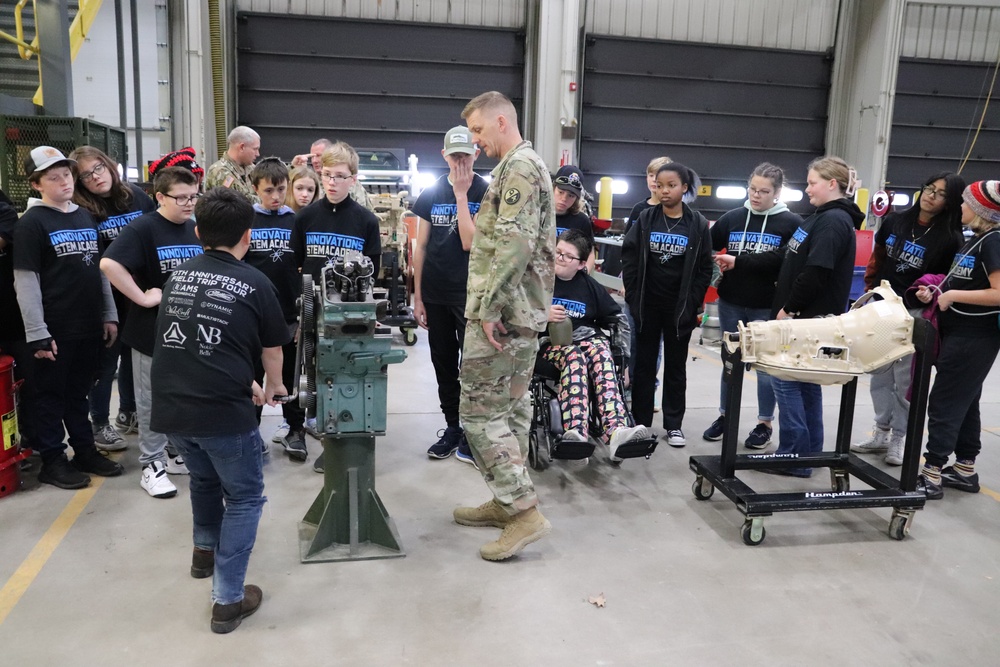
511,276
360,195
227,174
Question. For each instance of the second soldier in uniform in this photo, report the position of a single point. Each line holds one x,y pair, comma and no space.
511,276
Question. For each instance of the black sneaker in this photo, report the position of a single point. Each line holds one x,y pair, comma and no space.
60,473
714,432
94,462
127,422
953,480
295,445
318,464
760,437
464,453
932,490
448,441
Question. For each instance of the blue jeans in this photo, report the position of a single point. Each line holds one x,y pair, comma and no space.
100,393
800,418
729,315
227,497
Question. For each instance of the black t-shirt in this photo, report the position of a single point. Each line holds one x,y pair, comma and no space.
580,221
62,248
271,254
110,227
446,265
324,231
744,286
217,315
150,248
971,269
11,325
912,250
587,303
826,240
633,215
668,242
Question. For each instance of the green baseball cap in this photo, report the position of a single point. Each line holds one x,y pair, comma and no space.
459,140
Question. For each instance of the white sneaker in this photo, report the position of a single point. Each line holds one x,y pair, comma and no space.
175,465
281,433
154,479
876,443
894,456
572,435
675,437
626,434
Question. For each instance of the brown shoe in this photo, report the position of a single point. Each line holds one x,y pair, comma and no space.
523,529
490,513
202,563
227,617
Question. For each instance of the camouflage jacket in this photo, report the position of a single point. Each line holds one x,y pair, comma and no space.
227,174
512,261
360,195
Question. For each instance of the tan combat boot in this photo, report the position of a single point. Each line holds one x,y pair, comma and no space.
523,529
490,513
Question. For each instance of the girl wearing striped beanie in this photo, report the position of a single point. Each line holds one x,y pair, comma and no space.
969,301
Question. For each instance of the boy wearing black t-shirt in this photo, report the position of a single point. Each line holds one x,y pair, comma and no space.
204,394
138,263
271,253
329,227
447,213
67,307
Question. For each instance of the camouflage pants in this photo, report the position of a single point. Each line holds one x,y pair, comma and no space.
496,410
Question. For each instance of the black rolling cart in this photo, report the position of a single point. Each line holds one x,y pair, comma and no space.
901,495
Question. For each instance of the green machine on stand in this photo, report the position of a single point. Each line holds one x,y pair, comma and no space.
342,365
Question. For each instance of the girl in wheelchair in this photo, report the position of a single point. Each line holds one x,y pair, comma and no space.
587,364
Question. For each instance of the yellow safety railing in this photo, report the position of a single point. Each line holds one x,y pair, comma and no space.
78,31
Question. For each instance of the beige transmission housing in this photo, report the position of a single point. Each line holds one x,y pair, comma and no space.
829,350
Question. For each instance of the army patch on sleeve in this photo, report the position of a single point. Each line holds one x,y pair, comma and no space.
512,196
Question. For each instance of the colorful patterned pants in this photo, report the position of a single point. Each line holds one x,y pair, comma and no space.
582,365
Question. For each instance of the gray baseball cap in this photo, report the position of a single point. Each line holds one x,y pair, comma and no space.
459,140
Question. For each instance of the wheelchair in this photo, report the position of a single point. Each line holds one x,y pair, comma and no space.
545,443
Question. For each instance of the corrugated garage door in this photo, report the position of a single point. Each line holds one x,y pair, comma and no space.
373,84
721,110
938,106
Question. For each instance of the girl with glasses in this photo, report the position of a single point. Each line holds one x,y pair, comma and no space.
114,204
922,239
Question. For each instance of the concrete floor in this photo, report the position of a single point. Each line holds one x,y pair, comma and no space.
681,588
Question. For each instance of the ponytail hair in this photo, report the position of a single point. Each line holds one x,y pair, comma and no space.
688,177
834,168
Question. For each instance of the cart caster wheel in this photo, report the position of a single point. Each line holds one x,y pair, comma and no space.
840,482
752,532
899,526
409,336
702,489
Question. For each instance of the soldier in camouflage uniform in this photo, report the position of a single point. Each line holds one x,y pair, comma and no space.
233,170
511,276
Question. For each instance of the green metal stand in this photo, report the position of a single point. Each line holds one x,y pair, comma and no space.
348,521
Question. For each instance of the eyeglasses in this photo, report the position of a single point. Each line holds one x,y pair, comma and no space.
336,179
182,200
564,257
929,191
98,170
760,193
572,180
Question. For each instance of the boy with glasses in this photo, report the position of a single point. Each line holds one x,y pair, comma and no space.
326,229
66,306
138,263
